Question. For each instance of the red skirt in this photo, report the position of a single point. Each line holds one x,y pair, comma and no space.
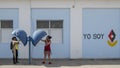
47,48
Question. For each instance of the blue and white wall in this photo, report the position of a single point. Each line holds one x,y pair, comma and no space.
97,30
98,21
7,14
81,19
60,46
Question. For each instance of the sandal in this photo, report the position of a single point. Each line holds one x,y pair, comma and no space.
43,62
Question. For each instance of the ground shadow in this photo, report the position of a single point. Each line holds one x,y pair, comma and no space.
63,62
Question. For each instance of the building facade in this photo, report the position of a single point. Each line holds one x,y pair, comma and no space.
86,29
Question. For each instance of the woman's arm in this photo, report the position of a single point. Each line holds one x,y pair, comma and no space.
43,40
16,42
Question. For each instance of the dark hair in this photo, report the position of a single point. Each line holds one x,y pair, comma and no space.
14,38
49,37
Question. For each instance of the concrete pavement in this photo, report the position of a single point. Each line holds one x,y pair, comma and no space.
61,63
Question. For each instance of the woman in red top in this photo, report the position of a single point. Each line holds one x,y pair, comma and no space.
47,49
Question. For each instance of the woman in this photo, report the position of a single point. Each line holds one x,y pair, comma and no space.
47,49
14,48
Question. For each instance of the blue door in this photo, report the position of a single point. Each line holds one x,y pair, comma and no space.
8,22
55,22
101,33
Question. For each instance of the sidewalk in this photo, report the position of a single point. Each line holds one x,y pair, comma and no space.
61,63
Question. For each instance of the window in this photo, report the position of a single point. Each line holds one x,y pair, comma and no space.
53,28
6,28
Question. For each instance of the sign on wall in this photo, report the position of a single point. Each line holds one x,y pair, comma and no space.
100,36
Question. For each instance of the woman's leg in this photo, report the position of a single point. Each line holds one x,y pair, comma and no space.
14,61
49,57
45,54
17,56
14,56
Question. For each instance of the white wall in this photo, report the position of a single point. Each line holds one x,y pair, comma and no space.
24,19
76,33
88,4
25,24
75,22
98,3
